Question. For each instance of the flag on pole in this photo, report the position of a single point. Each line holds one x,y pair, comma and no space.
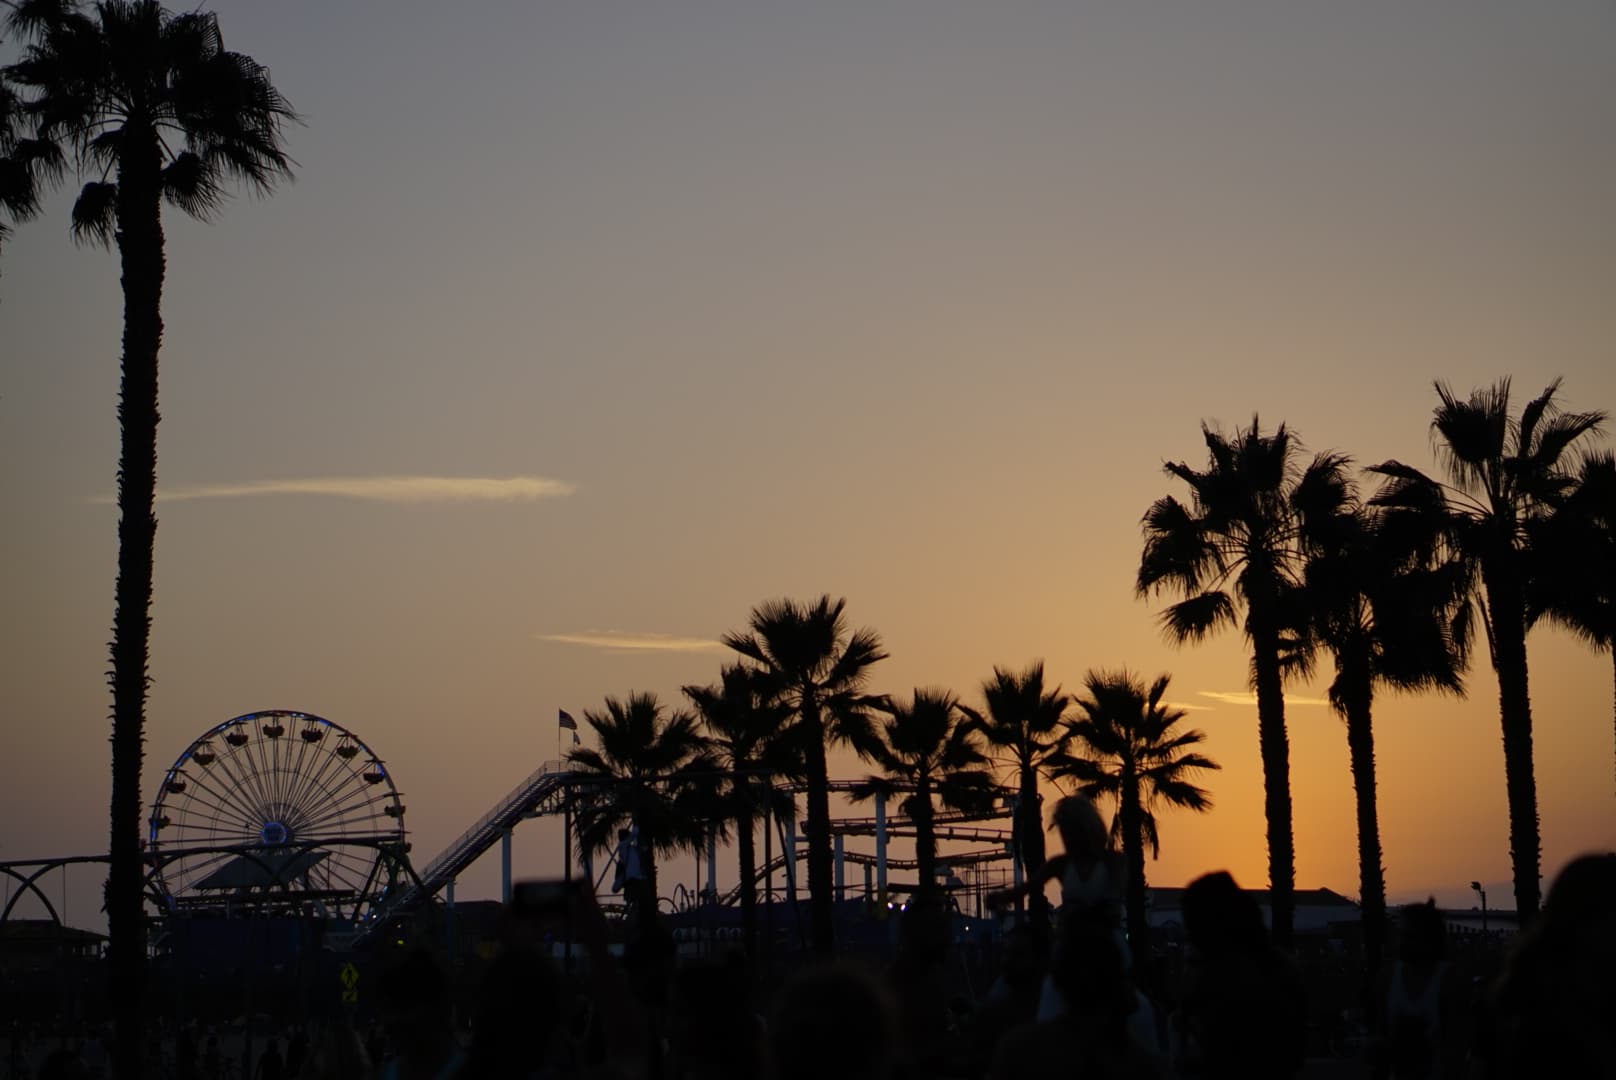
567,722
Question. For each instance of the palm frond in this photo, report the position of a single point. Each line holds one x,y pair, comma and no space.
94,214
1177,552
1197,618
28,18
190,185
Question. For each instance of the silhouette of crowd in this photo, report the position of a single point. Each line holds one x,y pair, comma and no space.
1068,998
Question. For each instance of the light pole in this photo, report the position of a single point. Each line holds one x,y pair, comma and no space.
1476,885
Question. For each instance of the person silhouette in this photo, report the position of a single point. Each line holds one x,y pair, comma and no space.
1242,1011
1551,1010
1420,1019
833,1021
1095,1035
271,1065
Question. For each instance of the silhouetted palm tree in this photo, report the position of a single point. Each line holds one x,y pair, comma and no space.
745,732
1238,545
1026,724
152,106
818,667
1127,747
1504,475
655,770
1391,613
928,753
1576,580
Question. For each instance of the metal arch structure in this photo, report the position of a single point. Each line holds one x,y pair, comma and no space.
28,872
29,884
273,806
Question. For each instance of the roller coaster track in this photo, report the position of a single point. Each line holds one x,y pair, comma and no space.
969,858
539,793
894,825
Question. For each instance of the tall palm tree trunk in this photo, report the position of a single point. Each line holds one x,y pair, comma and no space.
925,841
745,826
822,917
1371,875
1029,828
1133,852
140,247
1276,759
1508,624
646,903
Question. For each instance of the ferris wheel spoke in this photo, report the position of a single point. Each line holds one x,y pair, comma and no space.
202,817
357,804
267,751
241,769
261,754
343,816
228,796
290,760
238,768
311,783
225,792
341,798
323,756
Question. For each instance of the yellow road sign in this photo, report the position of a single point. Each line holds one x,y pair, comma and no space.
349,997
350,981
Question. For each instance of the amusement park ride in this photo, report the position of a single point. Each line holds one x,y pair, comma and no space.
287,813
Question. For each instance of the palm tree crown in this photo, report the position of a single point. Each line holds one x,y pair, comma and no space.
152,99
809,659
1129,749
1238,544
653,769
1505,475
927,751
1024,727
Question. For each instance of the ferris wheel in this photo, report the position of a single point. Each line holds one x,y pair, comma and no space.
277,810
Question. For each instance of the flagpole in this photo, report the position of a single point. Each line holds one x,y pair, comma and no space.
566,874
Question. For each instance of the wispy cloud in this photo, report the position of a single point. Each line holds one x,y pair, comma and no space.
388,489
1246,697
1187,706
628,641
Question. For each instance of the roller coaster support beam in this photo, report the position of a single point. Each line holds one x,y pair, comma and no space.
449,923
841,869
791,856
505,867
881,841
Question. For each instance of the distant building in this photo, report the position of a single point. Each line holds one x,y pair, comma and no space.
30,945
1317,910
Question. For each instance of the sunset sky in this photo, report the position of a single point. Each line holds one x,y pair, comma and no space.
587,326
